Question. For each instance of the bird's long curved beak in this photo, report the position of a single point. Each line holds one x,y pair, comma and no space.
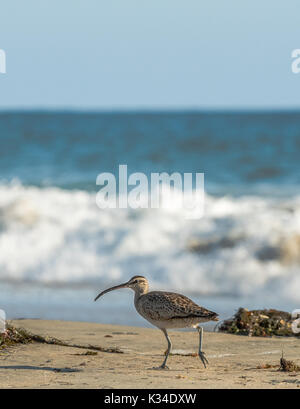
116,287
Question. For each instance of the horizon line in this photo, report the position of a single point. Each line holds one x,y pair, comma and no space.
149,110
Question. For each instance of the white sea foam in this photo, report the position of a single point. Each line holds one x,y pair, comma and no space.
242,246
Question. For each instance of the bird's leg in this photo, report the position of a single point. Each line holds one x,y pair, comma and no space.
201,353
163,365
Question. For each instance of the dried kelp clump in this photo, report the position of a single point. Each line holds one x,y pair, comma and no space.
259,323
284,366
13,336
288,366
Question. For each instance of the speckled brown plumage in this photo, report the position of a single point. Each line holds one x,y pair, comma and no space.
166,306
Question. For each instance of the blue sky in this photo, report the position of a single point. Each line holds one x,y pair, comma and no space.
138,54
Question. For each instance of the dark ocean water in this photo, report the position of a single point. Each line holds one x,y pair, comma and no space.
57,248
235,150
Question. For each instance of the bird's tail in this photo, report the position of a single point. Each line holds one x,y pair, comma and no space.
214,316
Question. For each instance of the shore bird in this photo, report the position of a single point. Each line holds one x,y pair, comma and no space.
167,310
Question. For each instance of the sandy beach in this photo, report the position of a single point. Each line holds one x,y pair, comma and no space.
234,360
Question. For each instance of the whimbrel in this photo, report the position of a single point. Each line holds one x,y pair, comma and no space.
167,310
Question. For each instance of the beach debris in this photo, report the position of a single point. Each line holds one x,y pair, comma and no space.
266,366
259,323
284,366
14,336
88,353
288,366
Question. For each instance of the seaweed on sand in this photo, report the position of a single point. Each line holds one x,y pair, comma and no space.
259,323
14,336
284,366
288,366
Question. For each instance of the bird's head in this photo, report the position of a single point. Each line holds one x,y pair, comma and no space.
138,284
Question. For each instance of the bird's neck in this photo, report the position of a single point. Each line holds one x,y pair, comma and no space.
138,293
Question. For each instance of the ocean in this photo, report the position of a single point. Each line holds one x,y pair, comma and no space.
58,249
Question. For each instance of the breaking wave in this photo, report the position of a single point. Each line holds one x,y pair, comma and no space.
242,246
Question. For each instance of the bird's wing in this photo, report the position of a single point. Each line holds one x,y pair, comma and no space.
160,305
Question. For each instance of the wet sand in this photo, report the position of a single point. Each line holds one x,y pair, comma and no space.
233,359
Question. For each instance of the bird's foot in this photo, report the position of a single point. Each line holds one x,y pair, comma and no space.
161,367
203,358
